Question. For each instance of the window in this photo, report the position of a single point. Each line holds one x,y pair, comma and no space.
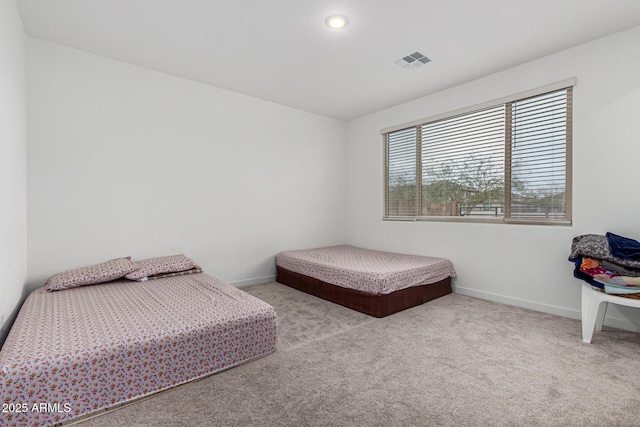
509,161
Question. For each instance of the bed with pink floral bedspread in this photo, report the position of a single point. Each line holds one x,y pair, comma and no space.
366,270
374,282
82,350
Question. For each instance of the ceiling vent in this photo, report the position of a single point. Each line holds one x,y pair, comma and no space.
414,60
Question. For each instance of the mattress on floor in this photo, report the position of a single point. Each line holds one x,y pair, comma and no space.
81,350
366,270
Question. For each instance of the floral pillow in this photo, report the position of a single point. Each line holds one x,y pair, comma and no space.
99,273
162,265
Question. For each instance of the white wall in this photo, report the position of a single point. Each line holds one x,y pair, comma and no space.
128,161
13,158
523,265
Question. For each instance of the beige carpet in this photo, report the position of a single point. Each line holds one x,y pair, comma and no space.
454,361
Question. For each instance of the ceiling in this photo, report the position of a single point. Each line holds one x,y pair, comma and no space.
282,51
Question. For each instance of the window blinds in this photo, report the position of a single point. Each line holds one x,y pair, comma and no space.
507,162
539,144
463,164
400,182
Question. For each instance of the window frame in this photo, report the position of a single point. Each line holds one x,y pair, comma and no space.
506,219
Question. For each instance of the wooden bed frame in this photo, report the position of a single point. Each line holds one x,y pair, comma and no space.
376,305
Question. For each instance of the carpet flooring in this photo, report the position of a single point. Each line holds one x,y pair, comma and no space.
454,361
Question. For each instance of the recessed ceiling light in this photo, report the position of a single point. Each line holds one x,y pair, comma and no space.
336,21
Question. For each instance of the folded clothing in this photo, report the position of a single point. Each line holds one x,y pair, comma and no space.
635,281
616,290
579,274
619,269
623,247
597,247
591,271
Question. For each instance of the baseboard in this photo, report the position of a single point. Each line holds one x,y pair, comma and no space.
611,321
253,281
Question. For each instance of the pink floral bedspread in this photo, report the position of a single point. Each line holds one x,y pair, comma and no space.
366,270
81,350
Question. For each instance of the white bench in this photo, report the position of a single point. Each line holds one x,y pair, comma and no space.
594,308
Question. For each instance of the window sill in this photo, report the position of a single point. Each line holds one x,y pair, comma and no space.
480,220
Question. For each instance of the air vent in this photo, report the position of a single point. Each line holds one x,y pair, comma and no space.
414,60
